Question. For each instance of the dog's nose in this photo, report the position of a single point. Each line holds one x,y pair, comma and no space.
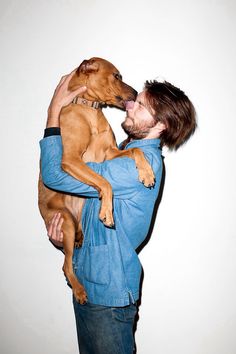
129,105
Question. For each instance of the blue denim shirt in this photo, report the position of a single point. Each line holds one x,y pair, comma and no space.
107,263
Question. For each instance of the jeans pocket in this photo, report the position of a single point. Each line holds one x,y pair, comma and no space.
96,265
124,314
130,312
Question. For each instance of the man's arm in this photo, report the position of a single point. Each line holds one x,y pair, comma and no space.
121,173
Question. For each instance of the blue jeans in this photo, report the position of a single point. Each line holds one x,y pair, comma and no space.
103,329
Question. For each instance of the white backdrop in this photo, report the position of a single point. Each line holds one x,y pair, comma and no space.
189,291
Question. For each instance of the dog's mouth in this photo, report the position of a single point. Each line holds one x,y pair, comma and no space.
120,102
124,104
128,104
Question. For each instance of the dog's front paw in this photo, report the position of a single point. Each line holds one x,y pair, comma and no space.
147,177
106,217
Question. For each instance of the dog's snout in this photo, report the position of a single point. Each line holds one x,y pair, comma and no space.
132,94
119,98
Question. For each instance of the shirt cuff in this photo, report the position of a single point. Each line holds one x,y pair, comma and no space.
52,131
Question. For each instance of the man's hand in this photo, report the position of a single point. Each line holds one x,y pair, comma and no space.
61,98
54,230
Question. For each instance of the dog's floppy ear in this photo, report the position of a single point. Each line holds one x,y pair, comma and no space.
88,66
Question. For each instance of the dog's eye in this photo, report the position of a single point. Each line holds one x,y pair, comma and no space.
117,76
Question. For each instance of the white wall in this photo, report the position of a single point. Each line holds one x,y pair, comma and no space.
188,303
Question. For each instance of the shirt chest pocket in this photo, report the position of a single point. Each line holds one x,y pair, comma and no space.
96,265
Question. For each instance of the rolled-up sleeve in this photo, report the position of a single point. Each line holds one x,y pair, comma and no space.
121,173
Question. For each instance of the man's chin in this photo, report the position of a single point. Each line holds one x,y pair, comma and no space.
128,121
126,127
132,132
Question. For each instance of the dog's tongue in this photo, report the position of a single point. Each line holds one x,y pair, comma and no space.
129,105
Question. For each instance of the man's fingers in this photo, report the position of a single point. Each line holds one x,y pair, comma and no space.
52,227
62,95
80,89
67,78
49,230
77,92
63,78
61,237
65,81
60,233
55,232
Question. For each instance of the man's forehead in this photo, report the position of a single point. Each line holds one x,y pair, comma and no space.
142,98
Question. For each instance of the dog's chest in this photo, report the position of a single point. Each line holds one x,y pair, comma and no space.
100,141
88,131
95,131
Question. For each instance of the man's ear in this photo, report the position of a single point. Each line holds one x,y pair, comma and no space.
160,126
155,132
88,66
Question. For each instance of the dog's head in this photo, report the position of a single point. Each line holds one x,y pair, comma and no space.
104,83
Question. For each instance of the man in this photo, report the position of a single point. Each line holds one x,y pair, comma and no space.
107,264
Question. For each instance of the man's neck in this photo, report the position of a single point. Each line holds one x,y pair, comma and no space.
125,142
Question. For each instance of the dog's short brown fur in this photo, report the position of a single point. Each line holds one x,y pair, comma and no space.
87,136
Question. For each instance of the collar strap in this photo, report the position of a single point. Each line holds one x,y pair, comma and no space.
93,104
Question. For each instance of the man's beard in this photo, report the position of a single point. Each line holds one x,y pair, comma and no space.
135,131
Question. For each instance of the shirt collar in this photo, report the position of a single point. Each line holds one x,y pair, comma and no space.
142,142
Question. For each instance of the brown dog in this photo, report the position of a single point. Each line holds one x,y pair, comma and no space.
87,136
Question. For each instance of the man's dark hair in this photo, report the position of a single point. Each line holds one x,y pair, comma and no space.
173,108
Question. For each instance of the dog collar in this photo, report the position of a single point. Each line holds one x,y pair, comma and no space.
93,104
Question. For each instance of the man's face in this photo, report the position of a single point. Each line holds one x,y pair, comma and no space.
139,119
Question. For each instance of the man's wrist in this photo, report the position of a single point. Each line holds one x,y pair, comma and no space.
53,122
52,131
53,117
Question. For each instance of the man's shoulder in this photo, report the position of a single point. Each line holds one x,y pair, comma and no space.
154,157
140,143
151,149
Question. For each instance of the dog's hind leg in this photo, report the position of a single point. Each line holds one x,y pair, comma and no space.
69,230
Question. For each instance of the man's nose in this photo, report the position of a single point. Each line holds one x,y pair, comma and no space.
129,105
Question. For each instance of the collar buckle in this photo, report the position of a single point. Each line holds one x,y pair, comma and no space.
83,101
